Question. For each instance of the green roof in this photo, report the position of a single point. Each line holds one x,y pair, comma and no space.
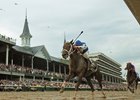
60,60
33,50
26,50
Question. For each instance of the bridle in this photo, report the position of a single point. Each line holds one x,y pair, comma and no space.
70,51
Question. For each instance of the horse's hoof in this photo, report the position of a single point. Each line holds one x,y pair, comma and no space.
61,91
104,96
74,98
131,90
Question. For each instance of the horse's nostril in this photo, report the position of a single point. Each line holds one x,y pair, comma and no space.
64,56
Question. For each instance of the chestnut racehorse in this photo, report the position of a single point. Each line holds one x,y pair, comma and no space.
78,67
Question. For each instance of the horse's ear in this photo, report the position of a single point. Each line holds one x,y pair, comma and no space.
71,41
125,68
64,38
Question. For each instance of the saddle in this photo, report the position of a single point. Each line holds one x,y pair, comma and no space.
92,67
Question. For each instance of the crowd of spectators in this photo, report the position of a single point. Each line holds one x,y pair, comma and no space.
45,83
3,37
56,84
28,70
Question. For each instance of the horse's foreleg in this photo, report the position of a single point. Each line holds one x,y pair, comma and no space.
77,87
64,83
75,95
136,83
80,76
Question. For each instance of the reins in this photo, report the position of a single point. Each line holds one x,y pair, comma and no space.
70,51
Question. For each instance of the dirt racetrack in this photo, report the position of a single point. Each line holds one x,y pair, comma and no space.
68,95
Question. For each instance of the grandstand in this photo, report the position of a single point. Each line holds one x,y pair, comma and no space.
110,69
22,63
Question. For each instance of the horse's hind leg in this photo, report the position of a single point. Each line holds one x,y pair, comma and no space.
90,84
136,83
100,84
80,76
99,78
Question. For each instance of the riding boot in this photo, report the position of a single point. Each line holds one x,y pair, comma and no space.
89,62
92,64
90,67
138,78
135,74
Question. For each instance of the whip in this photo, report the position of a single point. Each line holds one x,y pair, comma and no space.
78,36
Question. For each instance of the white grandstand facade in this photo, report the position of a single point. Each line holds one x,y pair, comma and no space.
110,69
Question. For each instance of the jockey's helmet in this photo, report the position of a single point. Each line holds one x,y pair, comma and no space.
78,43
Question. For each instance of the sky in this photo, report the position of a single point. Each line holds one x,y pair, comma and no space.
109,26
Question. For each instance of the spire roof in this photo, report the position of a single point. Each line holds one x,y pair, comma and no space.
26,32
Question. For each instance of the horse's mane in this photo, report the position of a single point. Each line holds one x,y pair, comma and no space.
75,50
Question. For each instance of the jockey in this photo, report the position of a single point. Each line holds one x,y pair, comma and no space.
82,48
132,68
138,76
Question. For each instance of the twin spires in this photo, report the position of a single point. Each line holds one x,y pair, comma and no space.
25,36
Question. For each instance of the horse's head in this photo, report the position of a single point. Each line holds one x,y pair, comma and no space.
128,66
67,49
